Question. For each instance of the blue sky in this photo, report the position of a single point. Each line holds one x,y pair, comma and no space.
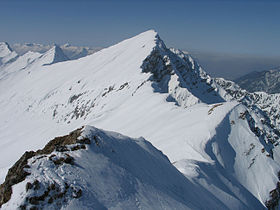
232,27
222,26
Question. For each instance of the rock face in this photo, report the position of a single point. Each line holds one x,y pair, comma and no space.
6,53
266,105
54,55
219,136
266,81
17,173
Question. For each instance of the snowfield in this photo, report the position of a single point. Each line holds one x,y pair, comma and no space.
139,87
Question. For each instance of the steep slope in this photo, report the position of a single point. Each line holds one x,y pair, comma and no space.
266,81
54,55
139,87
75,52
94,169
20,63
32,61
267,105
6,53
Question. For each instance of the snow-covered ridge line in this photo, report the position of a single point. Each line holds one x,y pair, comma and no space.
267,106
7,55
267,81
95,169
72,52
179,75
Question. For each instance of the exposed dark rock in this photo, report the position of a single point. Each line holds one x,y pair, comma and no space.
50,200
34,208
58,161
74,97
83,141
77,194
60,141
123,86
78,147
17,173
274,194
36,185
22,207
111,88
28,186
61,149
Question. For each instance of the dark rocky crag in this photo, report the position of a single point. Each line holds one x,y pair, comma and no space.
17,173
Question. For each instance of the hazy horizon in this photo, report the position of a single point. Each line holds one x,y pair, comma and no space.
220,31
227,65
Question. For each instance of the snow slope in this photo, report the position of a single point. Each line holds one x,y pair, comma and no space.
267,105
33,61
139,87
113,172
6,53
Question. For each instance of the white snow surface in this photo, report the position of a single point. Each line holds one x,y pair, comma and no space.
6,53
116,173
71,51
139,87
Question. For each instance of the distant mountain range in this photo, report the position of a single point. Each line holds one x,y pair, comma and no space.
72,52
266,81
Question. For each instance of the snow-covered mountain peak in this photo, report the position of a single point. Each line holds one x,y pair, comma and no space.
54,55
6,53
139,87
4,49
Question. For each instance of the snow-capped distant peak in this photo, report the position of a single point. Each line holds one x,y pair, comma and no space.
54,55
6,53
4,49
267,81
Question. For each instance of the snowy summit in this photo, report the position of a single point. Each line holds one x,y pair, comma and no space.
209,143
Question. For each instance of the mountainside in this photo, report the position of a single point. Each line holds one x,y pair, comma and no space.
54,55
32,61
101,170
72,52
267,106
224,145
6,53
266,81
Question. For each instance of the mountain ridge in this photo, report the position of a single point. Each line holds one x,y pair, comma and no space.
267,81
137,184
71,51
151,91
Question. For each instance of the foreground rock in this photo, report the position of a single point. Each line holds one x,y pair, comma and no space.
94,169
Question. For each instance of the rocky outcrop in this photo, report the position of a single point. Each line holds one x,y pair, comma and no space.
17,173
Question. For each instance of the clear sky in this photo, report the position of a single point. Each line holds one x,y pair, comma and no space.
236,26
